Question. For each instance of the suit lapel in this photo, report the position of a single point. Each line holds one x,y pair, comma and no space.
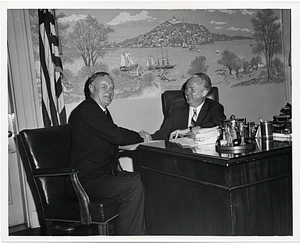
203,113
108,114
185,115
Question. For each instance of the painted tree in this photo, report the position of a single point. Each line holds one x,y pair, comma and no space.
238,64
198,65
228,60
255,61
267,33
90,37
86,71
245,65
278,65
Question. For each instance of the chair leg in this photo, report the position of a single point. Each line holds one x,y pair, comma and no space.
103,229
49,228
89,231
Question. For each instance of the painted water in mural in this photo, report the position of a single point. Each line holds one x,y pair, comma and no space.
145,82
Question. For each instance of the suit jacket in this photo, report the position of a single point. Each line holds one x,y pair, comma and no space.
95,140
211,114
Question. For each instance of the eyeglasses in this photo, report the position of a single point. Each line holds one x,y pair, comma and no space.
96,75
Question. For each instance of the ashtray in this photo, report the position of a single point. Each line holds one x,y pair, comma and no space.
248,147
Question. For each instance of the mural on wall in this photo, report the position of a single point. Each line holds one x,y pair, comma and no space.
149,51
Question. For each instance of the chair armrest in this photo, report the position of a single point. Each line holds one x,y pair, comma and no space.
81,194
83,199
54,172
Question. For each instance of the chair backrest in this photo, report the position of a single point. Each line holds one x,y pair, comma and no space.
172,96
46,148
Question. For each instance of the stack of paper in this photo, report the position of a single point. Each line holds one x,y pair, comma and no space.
207,136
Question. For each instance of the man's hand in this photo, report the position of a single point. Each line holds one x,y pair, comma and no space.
178,133
195,129
146,136
185,133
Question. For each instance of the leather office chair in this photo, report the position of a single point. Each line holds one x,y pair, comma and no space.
45,155
172,96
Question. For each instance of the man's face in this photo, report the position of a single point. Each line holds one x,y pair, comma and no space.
102,90
194,92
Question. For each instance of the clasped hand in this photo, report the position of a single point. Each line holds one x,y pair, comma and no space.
145,135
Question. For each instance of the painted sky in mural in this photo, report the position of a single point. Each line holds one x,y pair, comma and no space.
129,23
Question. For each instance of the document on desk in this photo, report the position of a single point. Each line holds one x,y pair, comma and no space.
185,142
131,147
282,137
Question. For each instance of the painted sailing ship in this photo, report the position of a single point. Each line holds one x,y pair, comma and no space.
164,63
150,63
127,63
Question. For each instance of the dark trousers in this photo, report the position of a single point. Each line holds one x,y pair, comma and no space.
127,188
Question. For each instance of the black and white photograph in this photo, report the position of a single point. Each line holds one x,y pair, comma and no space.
144,121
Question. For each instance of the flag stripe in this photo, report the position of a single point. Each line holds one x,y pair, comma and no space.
47,82
53,107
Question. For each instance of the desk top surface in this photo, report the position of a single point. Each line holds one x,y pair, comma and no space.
209,151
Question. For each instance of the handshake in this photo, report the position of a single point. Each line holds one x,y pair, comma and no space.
145,135
188,132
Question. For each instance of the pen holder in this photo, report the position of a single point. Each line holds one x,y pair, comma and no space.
266,129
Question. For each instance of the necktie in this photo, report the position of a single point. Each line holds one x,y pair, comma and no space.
105,112
194,118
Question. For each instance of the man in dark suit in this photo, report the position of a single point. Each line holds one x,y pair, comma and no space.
95,141
192,114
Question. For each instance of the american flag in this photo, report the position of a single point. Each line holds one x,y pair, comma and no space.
53,107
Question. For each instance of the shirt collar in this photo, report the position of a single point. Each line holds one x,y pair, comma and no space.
104,109
198,108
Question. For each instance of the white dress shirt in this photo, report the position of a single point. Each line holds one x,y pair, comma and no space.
191,113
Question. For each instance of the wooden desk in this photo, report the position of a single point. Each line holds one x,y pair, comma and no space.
207,193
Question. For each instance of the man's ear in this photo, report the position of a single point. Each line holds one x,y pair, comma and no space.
91,88
205,92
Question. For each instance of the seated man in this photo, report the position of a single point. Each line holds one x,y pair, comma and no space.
95,141
194,113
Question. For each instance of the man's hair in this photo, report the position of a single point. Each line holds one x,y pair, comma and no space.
87,92
204,77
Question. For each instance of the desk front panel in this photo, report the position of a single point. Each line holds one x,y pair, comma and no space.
179,206
188,194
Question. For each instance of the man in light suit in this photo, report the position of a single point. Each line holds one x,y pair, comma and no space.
192,114
95,141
